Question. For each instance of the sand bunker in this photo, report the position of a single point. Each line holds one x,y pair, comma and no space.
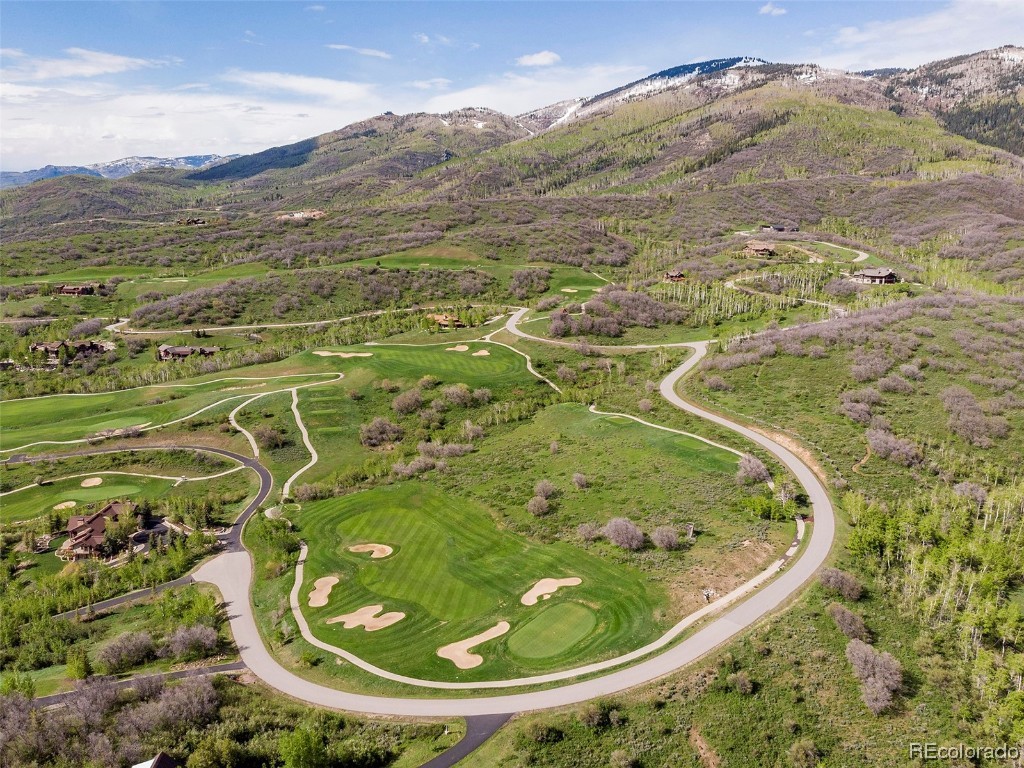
545,588
481,353
457,348
92,482
321,591
325,353
65,505
458,653
377,551
569,290
367,618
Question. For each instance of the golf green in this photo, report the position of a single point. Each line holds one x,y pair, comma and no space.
554,630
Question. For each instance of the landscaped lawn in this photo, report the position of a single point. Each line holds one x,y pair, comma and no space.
40,500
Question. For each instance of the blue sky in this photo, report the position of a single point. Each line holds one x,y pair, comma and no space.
84,82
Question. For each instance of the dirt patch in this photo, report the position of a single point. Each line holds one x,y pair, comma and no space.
65,505
856,467
708,757
797,448
377,551
545,588
300,215
321,591
457,348
367,618
92,482
325,353
481,353
569,290
459,653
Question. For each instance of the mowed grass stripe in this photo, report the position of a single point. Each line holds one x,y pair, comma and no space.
554,630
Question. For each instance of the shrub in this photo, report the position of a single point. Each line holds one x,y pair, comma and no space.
126,651
542,733
740,682
803,754
967,419
623,533
545,488
645,405
752,470
78,666
428,382
268,437
579,480
588,531
665,537
620,758
458,395
595,715
887,446
379,432
553,448
471,431
844,583
849,623
482,396
196,641
880,675
894,383
717,383
538,506
407,402
565,373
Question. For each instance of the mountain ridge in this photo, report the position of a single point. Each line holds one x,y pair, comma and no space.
112,169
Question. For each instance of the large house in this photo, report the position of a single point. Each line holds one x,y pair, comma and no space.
872,276
83,348
759,249
86,533
447,321
172,352
76,290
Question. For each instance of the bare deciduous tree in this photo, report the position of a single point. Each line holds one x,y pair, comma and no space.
752,470
623,533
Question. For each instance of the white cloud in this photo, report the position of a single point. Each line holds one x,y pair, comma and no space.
434,83
80,63
541,59
316,8
318,87
960,26
770,9
422,39
515,93
372,52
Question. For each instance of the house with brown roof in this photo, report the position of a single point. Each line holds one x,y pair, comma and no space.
447,321
675,276
875,276
173,352
83,348
76,290
86,533
759,249
49,348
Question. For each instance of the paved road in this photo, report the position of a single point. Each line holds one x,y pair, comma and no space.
232,573
478,730
215,669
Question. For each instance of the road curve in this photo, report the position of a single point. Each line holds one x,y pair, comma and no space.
232,574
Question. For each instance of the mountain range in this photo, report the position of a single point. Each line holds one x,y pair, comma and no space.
115,169
721,123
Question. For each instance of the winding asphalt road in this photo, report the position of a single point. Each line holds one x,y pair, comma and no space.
232,574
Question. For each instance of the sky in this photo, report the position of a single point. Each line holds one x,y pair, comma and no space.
88,82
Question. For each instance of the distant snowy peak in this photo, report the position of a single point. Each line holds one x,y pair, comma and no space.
126,166
554,115
115,169
670,78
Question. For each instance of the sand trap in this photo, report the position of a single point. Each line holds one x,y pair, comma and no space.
92,482
458,653
377,551
569,290
367,618
457,348
65,505
481,353
545,588
321,591
325,353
